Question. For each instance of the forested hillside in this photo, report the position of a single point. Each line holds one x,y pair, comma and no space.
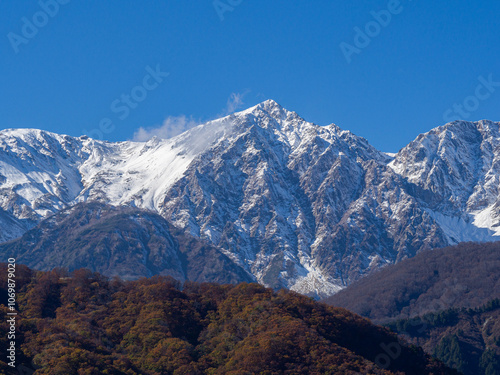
466,275
444,300
85,323
466,339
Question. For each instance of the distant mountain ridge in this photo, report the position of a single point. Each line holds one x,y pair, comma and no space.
293,204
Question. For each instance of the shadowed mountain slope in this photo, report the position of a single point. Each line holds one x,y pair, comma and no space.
120,241
466,275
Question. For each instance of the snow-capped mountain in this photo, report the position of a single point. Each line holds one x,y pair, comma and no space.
456,169
293,204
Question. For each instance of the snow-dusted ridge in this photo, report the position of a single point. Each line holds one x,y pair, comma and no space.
295,204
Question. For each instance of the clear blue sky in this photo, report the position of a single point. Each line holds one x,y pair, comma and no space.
429,56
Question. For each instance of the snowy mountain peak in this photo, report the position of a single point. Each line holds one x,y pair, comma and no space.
269,106
270,109
472,132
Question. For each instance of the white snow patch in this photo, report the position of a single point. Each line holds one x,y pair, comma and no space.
458,230
485,219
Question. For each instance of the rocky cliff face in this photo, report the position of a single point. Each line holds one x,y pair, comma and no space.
291,203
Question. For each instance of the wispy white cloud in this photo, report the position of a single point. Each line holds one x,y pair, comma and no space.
175,125
234,102
172,126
